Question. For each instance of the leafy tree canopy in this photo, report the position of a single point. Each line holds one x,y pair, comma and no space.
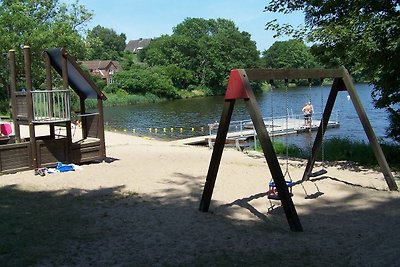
290,54
209,49
41,24
141,80
362,35
104,43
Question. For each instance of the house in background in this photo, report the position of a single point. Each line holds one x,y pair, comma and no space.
105,69
134,46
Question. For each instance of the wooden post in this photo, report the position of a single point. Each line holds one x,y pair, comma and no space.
272,160
342,84
28,82
216,154
322,128
387,174
84,124
239,88
100,127
64,72
49,86
13,87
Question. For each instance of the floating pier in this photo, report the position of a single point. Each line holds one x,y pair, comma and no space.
241,132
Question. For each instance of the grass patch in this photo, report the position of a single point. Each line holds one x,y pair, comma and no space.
114,100
337,149
344,149
292,150
192,94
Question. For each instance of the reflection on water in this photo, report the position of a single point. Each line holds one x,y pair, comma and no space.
190,117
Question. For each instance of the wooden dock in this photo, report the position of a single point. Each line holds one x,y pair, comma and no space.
241,131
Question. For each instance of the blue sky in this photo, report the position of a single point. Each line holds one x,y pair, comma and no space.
153,18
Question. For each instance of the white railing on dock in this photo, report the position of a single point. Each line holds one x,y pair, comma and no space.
275,125
51,106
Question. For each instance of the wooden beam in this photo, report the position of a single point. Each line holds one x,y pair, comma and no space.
239,87
13,87
271,158
217,154
64,72
28,84
100,127
387,174
322,127
49,86
82,110
281,74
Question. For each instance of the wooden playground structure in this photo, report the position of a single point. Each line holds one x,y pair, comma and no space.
239,88
51,109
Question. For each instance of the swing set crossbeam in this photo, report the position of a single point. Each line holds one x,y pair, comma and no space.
282,74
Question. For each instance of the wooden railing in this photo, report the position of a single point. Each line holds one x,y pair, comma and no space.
51,106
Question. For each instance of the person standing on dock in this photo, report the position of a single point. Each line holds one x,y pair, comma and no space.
308,110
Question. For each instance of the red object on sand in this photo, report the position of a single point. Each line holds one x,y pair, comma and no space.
5,129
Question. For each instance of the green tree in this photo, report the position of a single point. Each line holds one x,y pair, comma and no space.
104,43
209,49
362,35
40,24
290,54
128,59
142,80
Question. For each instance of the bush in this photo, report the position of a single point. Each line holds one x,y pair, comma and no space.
4,107
180,77
124,99
142,80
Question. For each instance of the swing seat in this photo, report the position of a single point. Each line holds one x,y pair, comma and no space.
318,173
275,196
288,184
272,193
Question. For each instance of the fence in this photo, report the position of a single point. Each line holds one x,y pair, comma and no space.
51,106
275,125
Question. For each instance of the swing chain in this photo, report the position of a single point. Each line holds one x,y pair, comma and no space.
323,130
287,128
272,110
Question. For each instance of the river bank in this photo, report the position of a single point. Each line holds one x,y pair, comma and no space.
140,208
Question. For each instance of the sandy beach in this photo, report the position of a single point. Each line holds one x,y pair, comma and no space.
145,211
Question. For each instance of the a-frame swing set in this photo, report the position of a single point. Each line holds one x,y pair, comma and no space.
239,88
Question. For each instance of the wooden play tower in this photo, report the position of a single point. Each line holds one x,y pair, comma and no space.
51,109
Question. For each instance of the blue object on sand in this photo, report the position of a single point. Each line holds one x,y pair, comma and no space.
65,167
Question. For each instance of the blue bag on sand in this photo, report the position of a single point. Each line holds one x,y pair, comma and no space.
65,167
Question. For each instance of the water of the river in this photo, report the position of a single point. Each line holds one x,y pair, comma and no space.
188,117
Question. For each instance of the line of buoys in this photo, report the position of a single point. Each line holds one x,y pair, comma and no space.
156,130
